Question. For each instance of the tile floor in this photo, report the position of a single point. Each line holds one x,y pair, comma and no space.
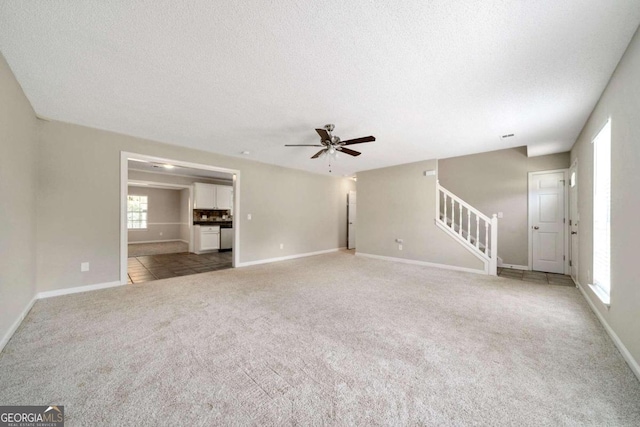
151,267
536,277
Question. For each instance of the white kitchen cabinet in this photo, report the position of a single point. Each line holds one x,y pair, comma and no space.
224,197
205,197
207,238
211,196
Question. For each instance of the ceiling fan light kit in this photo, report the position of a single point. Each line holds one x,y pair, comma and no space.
332,145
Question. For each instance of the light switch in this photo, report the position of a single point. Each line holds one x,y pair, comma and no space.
249,217
84,267
500,215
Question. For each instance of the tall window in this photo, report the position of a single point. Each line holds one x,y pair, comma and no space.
602,210
137,212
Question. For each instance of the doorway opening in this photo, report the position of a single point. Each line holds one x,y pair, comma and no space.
171,211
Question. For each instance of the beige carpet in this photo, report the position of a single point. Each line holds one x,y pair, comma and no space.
141,249
333,339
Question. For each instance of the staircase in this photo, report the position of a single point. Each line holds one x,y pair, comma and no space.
471,228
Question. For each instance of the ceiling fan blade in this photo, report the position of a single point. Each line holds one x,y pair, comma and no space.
318,154
358,140
348,151
324,135
303,145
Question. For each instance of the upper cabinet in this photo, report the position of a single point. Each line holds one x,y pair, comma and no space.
224,197
205,197
211,196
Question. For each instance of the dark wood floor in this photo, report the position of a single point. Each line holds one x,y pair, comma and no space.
151,267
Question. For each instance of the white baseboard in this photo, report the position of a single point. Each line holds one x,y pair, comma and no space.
14,327
285,258
515,266
424,263
156,241
633,364
78,289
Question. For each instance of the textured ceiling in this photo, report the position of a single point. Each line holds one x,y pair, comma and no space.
430,79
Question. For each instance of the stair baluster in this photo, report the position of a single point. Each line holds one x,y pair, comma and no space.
486,250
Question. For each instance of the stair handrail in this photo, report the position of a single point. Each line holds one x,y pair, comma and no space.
461,202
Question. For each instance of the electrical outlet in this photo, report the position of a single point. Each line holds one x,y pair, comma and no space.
500,214
281,245
400,247
84,266
161,233
249,217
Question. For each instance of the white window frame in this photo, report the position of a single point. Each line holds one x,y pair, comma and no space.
602,213
143,223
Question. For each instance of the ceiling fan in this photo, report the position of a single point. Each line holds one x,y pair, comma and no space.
332,144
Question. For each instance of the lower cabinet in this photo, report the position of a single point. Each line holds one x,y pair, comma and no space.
207,238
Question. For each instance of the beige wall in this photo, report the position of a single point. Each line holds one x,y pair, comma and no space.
163,216
18,179
399,202
306,212
497,181
621,102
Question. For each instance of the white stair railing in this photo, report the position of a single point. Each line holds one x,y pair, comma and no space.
473,229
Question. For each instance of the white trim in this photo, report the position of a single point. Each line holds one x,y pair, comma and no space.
633,364
124,183
288,257
14,327
158,241
162,223
515,267
78,289
566,231
423,263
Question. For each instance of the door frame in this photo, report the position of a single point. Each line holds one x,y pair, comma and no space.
124,181
530,175
574,258
348,220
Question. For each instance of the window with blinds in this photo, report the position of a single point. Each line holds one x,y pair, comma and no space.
136,212
602,209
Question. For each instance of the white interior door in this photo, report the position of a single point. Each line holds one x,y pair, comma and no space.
574,220
351,216
547,221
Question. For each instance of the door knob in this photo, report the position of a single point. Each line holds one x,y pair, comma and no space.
536,227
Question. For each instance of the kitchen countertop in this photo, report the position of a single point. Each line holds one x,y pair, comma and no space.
220,223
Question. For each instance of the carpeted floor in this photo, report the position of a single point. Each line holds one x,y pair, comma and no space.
141,249
333,339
